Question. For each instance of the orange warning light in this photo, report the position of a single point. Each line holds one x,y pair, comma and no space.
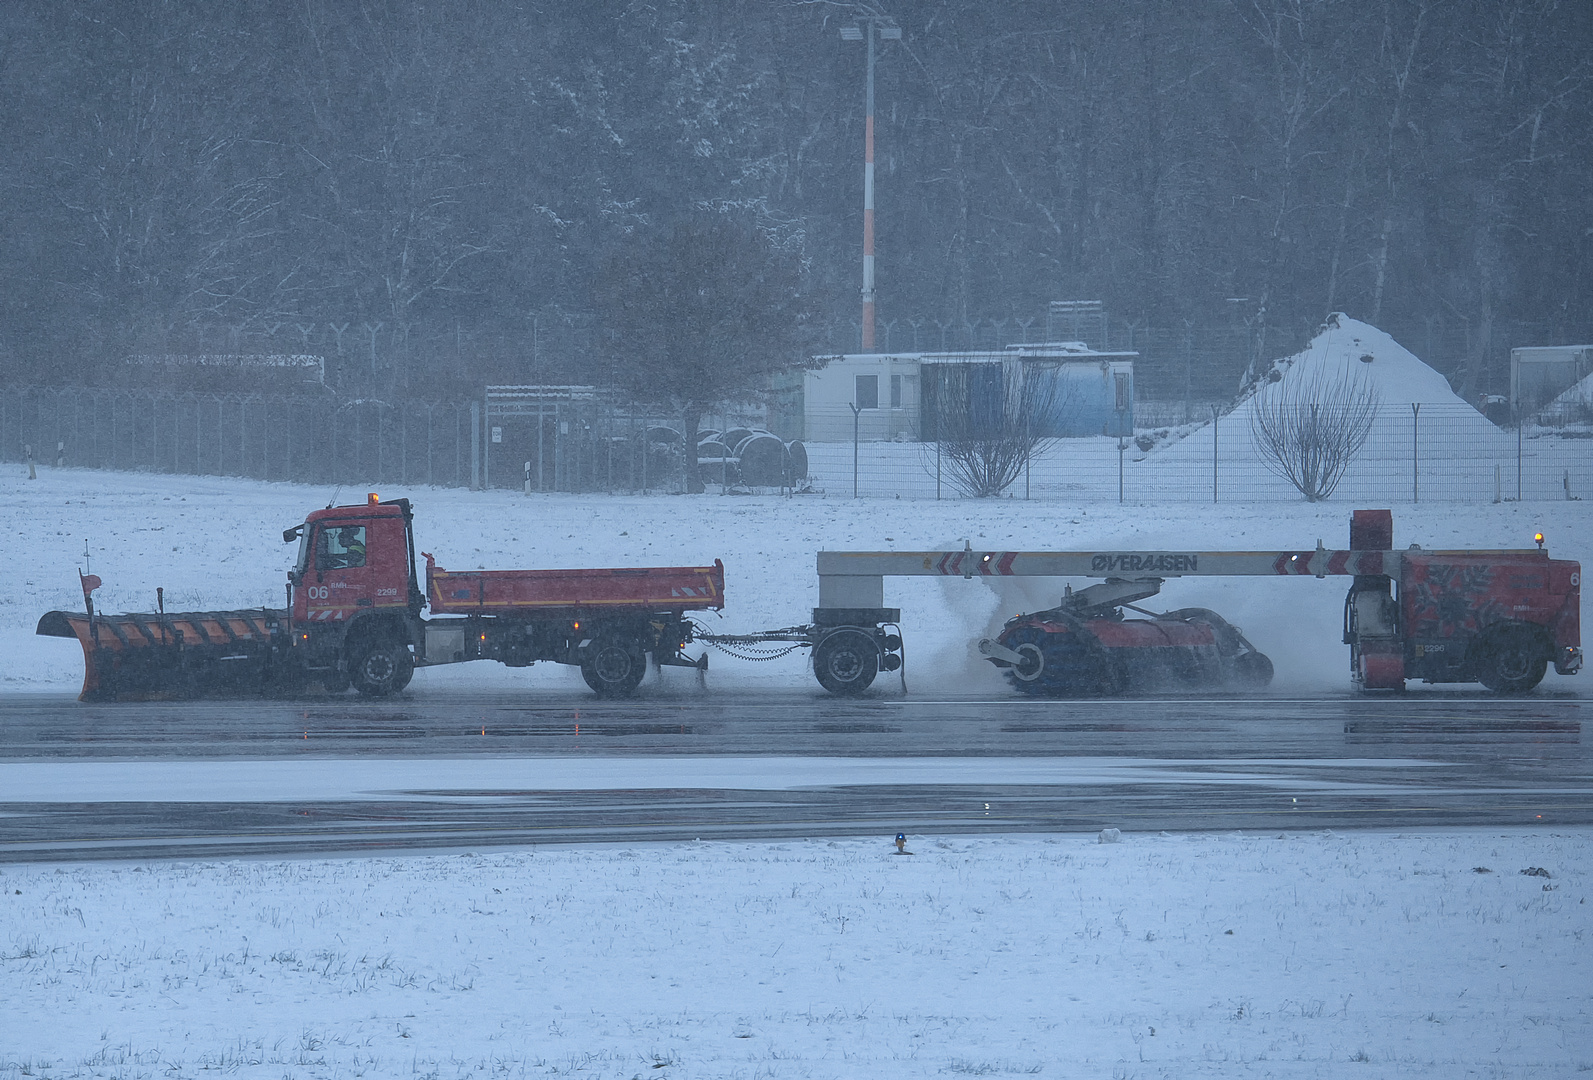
1537,538
371,499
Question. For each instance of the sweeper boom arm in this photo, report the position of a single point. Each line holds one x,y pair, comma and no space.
855,579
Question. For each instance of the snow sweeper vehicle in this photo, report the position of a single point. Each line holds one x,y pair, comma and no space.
353,617
1495,617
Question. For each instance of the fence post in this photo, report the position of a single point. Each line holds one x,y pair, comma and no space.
1122,445
1415,457
937,470
1214,453
1518,457
856,416
475,446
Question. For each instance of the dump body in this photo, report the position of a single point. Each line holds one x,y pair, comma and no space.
559,593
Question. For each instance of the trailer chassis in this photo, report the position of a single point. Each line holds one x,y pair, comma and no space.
849,646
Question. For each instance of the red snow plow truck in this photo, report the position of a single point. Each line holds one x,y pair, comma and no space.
354,618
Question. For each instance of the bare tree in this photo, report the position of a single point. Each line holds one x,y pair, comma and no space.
703,311
983,423
1308,429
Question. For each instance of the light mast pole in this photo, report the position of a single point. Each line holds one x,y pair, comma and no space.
887,31
868,202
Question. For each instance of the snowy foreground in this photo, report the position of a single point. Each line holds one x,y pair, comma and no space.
1300,955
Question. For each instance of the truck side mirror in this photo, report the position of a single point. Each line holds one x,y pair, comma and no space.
290,535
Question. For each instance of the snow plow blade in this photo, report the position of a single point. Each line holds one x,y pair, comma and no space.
149,657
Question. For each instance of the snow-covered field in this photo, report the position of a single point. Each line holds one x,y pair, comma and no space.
1367,954
1300,955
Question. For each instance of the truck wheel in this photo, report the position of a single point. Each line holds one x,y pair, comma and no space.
380,667
846,662
1511,662
612,667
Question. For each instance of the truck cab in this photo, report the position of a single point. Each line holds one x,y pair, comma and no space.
1495,617
354,601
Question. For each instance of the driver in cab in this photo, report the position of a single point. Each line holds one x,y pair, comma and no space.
345,548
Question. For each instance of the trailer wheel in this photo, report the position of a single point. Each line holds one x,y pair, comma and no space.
846,662
613,667
380,666
1511,661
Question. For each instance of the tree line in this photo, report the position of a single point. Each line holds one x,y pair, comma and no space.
467,180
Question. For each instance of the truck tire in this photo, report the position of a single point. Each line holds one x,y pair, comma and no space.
380,666
1511,661
846,661
613,667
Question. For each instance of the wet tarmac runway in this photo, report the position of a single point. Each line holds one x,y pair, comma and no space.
933,765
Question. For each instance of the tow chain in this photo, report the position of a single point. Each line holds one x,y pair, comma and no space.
751,646
761,654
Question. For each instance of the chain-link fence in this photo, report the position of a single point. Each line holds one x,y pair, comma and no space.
301,439
588,444
1437,452
1432,453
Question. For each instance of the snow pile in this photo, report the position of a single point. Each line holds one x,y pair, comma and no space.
1296,955
1348,348
1444,446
